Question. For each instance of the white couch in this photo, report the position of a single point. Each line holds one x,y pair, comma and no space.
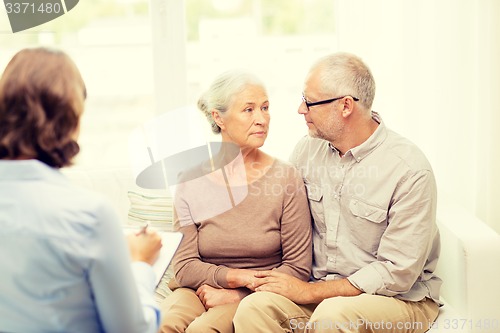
470,268
469,264
113,182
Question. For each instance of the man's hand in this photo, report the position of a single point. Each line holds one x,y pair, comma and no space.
211,296
303,292
284,285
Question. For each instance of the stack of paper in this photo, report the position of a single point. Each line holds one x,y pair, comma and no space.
153,207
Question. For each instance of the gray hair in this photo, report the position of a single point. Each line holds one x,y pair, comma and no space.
221,92
347,74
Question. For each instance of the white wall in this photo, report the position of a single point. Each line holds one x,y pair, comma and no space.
437,67
437,71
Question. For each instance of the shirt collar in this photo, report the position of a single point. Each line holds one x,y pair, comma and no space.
364,149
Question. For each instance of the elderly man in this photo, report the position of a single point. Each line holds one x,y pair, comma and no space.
372,195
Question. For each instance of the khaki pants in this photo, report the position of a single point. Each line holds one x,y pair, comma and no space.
267,312
182,311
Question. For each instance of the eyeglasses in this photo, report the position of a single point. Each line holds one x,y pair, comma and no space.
326,101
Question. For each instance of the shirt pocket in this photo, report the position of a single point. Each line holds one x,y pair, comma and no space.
367,225
316,205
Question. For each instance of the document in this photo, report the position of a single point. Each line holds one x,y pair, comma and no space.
170,241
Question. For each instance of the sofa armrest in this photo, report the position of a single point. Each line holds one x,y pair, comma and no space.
470,268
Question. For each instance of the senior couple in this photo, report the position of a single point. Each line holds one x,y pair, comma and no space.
348,242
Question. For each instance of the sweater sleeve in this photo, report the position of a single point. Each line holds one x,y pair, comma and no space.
190,271
296,231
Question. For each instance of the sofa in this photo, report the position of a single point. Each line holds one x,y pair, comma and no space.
469,264
470,268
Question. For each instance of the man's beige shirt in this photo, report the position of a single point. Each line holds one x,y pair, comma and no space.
374,212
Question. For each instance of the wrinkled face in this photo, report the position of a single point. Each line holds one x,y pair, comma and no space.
324,121
246,122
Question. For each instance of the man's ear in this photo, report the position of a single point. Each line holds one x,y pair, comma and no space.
217,118
348,105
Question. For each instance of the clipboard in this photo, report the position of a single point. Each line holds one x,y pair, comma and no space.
170,241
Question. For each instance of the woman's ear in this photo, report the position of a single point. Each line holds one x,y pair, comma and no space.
217,118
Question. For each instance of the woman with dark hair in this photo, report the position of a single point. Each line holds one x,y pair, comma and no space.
65,265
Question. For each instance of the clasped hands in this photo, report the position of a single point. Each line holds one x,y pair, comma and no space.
283,284
242,282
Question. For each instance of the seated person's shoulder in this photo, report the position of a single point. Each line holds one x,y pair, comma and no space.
408,152
286,170
308,145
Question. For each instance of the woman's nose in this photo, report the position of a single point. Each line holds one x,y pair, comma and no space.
260,118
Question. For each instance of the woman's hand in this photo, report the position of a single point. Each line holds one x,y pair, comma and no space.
237,278
211,296
144,246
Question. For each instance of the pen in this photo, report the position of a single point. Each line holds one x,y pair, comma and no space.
143,230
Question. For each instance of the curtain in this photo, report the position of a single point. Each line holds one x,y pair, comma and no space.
437,68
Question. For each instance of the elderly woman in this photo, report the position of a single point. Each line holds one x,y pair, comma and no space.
249,214
65,265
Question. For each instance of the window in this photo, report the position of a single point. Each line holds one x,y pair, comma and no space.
110,41
276,40
141,58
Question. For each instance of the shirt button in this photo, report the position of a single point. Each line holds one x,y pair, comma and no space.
330,259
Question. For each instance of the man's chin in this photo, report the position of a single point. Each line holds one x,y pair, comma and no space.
313,133
317,135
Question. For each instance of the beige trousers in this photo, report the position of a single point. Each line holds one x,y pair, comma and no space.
182,311
268,312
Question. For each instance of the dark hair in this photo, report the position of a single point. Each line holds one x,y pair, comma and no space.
41,100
